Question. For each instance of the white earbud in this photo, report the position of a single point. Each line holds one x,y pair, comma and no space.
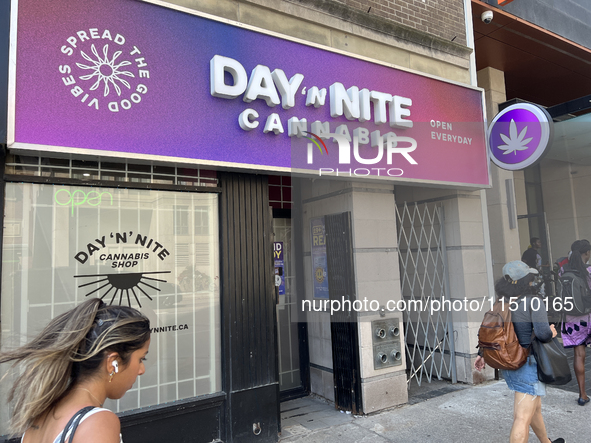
116,366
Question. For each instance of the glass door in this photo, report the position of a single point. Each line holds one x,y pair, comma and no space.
287,329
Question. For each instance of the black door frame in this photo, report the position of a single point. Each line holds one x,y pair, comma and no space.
298,269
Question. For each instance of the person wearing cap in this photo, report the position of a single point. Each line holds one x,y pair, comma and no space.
515,287
576,330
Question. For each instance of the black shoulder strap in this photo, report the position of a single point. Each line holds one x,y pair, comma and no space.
568,268
74,422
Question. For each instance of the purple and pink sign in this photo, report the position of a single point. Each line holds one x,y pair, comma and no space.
519,136
147,81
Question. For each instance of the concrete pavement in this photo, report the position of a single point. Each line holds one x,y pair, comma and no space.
464,414
572,385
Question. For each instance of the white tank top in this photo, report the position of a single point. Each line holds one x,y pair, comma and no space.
88,414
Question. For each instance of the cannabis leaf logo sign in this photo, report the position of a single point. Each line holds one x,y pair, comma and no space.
514,142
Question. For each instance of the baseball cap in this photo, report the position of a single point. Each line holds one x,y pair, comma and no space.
517,269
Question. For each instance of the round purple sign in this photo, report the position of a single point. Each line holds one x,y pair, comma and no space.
519,136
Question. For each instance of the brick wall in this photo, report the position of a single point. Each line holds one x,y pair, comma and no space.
442,18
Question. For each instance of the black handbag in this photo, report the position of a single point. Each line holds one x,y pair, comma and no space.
552,363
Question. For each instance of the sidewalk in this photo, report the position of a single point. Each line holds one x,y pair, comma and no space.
463,414
572,385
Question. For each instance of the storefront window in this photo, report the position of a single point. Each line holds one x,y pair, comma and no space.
153,250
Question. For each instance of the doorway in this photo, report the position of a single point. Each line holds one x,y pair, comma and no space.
429,342
291,333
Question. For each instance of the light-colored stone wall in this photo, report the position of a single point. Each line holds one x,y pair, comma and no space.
377,273
521,203
506,245
566,188
375,259
375,251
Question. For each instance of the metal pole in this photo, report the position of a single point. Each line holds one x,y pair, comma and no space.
449,319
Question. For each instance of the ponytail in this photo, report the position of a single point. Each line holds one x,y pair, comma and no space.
575,261
47,364
70,348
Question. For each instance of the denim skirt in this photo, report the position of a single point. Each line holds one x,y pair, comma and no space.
525,379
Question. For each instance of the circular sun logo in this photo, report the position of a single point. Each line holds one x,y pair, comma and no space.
319,273
103,71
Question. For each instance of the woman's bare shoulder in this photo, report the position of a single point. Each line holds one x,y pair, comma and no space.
101,427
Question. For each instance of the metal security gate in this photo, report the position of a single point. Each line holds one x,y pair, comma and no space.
428,328
343,326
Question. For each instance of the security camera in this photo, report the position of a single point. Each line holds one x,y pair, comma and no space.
486,17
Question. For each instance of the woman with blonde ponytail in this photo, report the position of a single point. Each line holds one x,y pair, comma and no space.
81,358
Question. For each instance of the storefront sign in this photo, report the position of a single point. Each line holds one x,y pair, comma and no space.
130,250
519,136
176,85
319,262
64,197
142,242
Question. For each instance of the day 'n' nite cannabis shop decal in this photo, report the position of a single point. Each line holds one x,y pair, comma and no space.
122,286
102,69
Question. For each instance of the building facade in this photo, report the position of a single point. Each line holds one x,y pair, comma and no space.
297,193
537,52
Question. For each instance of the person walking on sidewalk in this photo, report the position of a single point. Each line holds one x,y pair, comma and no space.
81,358
517,282
576,330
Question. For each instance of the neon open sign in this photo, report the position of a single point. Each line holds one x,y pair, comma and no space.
79,197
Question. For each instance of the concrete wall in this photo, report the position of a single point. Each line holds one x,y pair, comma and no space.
377,278
505,246
566,189
375,250
521,205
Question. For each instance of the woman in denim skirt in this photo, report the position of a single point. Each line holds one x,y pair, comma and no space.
528,314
